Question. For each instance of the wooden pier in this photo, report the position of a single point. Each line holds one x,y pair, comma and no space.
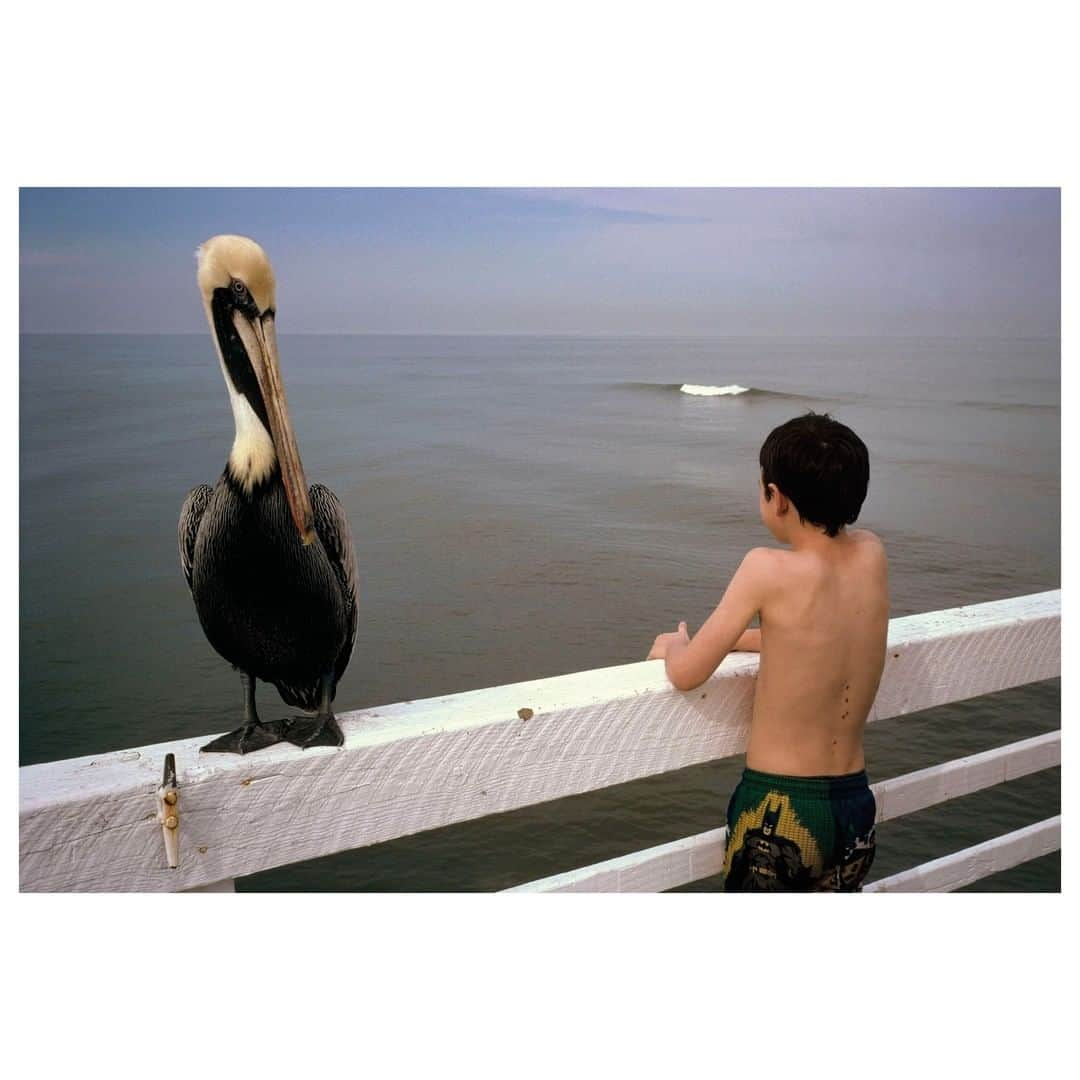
97,823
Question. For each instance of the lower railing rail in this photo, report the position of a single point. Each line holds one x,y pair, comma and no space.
965,867
681,862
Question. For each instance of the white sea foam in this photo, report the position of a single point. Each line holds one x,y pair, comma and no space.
713,391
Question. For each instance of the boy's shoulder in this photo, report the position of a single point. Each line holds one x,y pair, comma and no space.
761,560
865,537
766,562
764,567
769,561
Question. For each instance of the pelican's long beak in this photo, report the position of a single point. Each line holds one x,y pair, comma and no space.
260,341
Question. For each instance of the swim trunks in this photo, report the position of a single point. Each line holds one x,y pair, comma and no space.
799,833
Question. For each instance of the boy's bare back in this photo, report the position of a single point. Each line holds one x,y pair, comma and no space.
824,619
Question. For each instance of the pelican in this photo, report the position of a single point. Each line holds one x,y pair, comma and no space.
269,562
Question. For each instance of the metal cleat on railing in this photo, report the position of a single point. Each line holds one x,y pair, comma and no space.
169,811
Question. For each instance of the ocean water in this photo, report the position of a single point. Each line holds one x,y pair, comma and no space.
522,507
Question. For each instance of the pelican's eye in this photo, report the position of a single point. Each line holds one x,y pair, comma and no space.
239,289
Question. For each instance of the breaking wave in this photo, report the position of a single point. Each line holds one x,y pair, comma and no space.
732,390
714,391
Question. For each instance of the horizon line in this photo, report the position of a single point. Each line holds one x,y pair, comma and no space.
565,334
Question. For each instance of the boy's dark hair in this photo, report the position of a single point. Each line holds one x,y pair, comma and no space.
821,465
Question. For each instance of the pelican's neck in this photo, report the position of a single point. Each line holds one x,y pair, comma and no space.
252,458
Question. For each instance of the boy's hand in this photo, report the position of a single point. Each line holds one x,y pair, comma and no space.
659,649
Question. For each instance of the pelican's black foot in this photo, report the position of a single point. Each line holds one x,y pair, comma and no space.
253,736
323,730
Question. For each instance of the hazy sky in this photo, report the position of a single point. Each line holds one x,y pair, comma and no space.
892,261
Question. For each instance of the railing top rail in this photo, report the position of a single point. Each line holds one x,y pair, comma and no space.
475,708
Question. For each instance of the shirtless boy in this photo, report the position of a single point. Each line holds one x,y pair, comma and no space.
802,816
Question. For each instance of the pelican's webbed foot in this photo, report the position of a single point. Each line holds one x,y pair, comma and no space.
321,730
252,736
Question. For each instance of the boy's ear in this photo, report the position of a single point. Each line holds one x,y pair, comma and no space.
781,499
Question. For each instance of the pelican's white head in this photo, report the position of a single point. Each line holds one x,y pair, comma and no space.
236,281
226,260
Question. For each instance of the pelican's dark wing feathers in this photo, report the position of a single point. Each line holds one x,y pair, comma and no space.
333,528
190,515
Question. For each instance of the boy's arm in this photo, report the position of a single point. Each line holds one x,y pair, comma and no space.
749,641
690,663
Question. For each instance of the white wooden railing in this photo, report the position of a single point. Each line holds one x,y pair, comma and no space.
94,823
